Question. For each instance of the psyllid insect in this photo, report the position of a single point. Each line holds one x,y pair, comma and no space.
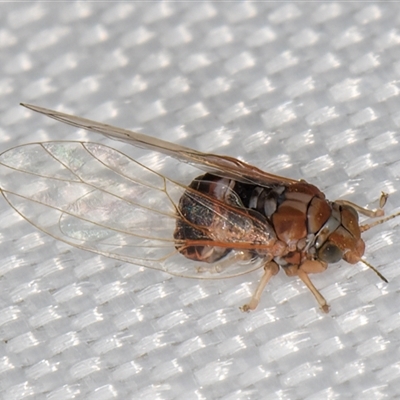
233,219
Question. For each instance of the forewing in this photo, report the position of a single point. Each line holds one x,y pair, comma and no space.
98,199
220,165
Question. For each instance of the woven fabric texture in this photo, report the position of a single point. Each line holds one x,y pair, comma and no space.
306,90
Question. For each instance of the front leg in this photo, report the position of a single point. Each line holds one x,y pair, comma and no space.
365,211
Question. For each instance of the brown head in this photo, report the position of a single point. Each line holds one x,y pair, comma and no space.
340,237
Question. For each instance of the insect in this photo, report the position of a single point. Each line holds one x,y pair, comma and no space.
233,219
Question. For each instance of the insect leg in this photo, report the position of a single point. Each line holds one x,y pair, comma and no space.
222,265
302,271
270,269
365,211
320,299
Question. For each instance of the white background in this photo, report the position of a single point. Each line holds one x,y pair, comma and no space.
305,90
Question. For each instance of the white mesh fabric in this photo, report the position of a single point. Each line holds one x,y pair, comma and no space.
305,90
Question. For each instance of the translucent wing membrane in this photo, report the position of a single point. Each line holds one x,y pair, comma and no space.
224,166
98,199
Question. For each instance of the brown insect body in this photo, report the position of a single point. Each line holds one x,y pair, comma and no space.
233,208
297,215
209,222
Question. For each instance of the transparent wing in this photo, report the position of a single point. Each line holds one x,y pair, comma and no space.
220,165
98,199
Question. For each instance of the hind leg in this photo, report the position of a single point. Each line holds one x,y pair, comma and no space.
270,269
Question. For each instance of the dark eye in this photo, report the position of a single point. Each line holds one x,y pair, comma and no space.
330,253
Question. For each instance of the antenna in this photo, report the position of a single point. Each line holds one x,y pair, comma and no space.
378,222
375,270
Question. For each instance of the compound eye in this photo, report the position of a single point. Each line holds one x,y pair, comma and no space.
330,253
